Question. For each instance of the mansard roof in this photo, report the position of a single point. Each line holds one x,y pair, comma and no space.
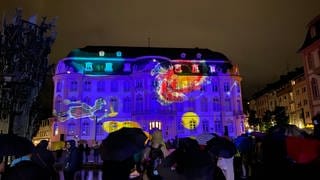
310,38
135,52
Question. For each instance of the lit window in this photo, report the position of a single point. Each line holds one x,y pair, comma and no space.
212,68
88,66
101,53
195,68
177,68
108,67
118,53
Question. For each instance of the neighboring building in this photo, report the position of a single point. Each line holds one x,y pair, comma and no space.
181,91
44,132
288,92
310,52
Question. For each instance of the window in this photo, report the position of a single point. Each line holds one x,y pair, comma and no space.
73,86
310,61
204,104
230,127
315,89
216,104
205,126
214,86
87,85
114,86
139,103
85,129
126,105
58,104
59,86
139,84
99,129
55,129
71,128
101,86
126,86
217,126
228,104
226,87
239,106
192,104
88,66
114,104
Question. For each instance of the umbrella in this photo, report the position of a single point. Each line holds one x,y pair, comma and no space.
302,150
13,145
204,138
244,143
189,154
122,144
286,130
221,147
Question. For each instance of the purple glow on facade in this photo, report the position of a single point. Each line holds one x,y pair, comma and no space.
155,91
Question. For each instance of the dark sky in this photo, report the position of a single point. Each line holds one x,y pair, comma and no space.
262,36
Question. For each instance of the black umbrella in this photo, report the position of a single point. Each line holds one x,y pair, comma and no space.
122,144
221,147
13,145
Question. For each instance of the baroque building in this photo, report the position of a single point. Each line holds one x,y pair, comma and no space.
181,91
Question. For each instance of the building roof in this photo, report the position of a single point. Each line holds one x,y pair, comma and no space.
314,24
135,52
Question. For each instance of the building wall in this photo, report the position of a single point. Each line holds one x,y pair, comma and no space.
217,103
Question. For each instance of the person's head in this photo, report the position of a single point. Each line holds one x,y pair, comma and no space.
43,144
70,144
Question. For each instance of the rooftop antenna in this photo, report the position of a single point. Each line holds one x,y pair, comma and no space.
149,39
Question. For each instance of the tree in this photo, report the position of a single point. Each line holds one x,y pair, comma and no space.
24,50
266,120
253,120
280,116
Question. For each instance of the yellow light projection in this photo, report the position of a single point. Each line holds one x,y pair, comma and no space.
111,126
190,120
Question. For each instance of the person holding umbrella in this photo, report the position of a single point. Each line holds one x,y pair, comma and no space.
118,152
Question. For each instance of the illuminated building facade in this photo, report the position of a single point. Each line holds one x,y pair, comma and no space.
310,53
182,91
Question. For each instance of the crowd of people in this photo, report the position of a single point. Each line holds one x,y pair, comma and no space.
249,156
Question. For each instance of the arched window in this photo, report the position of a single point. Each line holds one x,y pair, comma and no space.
126,105
204,104
114,103
315,89
71,128
85,129
216,104
228,106
139,103
59,86
101,86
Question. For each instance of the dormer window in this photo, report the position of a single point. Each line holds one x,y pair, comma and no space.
88,66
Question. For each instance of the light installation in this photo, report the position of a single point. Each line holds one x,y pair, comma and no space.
155,91
171,87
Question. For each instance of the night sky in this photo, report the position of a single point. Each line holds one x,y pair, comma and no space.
262,36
